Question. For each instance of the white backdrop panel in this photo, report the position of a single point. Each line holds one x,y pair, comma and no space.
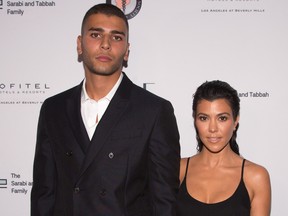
175,45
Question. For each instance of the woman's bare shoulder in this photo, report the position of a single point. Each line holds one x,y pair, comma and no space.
257,181
183,164
256,176
255,171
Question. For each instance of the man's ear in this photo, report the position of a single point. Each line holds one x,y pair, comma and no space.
79,48
126,57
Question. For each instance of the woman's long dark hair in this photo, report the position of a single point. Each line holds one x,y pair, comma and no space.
213,90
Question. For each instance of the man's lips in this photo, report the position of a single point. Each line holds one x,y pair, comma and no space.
103,58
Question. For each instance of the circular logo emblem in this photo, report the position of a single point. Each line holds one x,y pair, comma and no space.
129,7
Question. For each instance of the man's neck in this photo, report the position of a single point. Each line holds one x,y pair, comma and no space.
98,86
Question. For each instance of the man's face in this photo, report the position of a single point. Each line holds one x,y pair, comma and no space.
103,44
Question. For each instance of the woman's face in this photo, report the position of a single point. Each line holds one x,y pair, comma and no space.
215,124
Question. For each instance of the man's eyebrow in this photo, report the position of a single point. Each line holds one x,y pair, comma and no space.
96,29
102,30
118,32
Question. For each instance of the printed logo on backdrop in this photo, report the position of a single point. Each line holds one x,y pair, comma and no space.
16,184
17,8
3,183
232,6
23,93
129,7
254,94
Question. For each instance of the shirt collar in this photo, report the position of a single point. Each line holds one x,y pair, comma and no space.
109,96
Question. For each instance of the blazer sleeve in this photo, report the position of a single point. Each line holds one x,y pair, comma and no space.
164,162
44,172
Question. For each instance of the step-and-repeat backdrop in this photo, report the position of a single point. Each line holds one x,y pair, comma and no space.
175,46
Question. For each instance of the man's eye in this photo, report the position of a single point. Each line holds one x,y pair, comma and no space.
95,35
117,38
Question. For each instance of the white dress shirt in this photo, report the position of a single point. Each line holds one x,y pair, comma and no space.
92,110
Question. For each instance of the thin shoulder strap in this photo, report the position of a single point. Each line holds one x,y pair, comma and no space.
187,167
242,171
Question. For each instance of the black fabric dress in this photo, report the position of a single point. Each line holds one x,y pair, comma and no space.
236,205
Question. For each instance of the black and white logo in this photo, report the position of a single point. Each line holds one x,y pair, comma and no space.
130,7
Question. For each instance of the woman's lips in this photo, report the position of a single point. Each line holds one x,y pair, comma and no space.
213,139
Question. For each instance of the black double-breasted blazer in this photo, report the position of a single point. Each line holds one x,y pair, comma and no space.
130,167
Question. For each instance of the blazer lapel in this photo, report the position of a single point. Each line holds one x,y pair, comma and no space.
75,118
110,118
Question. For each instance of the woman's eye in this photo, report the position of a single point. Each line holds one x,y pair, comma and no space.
223,118
202,118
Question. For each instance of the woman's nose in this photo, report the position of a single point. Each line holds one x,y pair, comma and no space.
213,126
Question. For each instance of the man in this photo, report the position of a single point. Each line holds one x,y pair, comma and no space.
105,147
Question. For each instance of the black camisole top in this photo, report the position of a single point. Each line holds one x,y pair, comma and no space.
236,205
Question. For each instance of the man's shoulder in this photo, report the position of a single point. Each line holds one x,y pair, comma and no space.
64,95
145,95
139,93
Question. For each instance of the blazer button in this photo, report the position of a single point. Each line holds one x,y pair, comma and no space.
69,153
103,192
76,190
111,155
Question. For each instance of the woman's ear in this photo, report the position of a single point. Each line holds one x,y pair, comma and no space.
236,122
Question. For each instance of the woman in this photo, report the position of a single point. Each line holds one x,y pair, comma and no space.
217,181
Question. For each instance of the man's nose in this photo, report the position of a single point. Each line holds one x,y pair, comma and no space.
106,43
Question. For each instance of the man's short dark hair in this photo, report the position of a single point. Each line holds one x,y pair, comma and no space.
107,9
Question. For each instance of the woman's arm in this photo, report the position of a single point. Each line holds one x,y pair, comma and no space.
257,181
